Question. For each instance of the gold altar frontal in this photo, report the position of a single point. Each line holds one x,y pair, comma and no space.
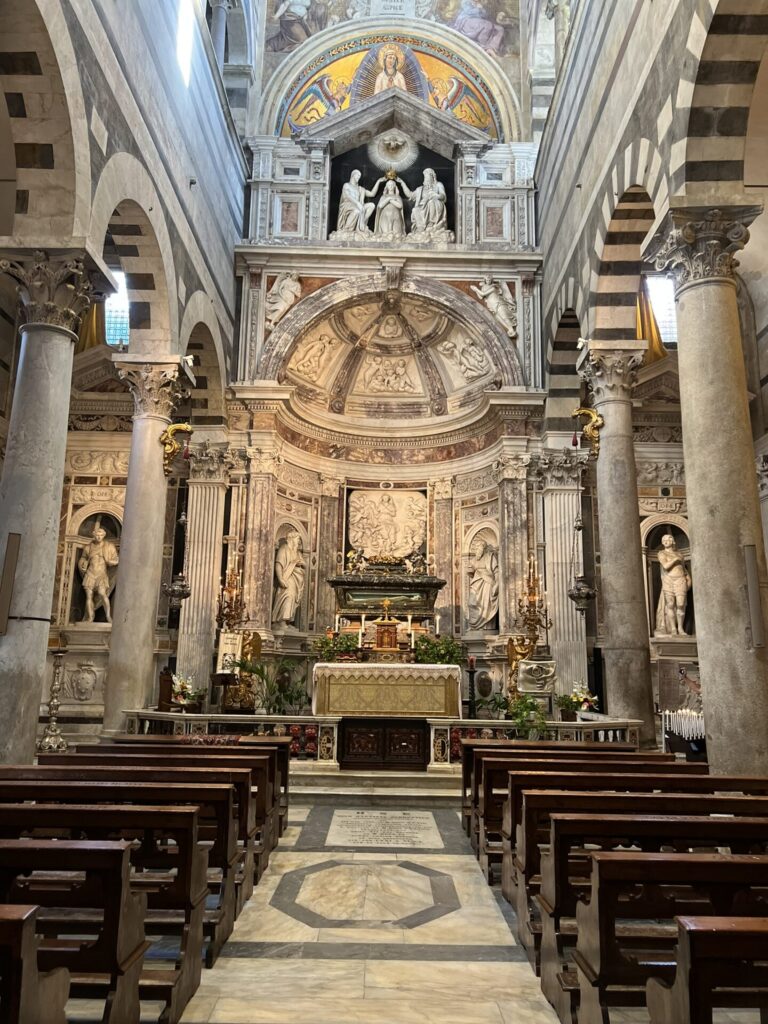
370,689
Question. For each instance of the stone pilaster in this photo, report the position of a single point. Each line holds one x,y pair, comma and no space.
442,548
219,13
513,548
610,367
53,294
328,544
698,246
560,474
260,537
156,388
206,489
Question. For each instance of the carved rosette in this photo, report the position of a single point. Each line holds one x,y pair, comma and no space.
611,375
156,388
51,291
209,463
700,245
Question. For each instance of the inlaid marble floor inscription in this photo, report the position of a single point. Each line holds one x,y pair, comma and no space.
398,830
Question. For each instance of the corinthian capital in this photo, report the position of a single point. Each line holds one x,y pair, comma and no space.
443,489
610,368
52,290
264,460
700,243
330,486
155,387
209,462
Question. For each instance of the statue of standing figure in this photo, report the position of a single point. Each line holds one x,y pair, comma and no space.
675,584
483,601
94,563
290,575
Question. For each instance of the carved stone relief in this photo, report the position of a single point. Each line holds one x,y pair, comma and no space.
467,356
309,358
392,523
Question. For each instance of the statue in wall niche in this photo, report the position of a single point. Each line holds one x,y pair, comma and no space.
429,218
290,577
281,296
483,601
675,584
310,354
354,212
389,224
98,557
467,355
498,299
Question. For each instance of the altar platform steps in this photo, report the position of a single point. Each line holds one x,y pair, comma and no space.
311,786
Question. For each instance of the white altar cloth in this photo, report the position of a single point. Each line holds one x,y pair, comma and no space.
392,689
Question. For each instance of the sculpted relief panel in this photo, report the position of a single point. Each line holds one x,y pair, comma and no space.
389,523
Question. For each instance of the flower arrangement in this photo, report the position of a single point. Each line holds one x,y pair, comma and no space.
183,691
580,699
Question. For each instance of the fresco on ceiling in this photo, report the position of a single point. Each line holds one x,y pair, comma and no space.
352,72
492,24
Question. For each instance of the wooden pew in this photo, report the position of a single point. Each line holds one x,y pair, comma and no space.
265,810
553,748
493,790
218,825
522,860
282,744
26,995
565,868
238,778
169,865
721,962
107,962
614,961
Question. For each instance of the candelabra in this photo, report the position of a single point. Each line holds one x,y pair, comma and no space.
52,741
231,611
532,617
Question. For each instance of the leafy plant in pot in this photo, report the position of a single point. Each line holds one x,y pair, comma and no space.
275,689
523,711
439,650
580,699
336,648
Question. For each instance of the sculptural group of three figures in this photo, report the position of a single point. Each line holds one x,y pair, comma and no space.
428,217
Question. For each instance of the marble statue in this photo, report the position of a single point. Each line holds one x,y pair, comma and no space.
290,577
483,601
310,354
467,355
499,301
429,217
354,212
675,584
95,562
281,296
389,224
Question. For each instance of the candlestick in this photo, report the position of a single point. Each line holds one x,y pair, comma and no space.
410,620
413,640
437,625
336,624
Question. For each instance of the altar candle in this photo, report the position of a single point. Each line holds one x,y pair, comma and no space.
336,625
410,620
413,640
471,662
437,625
362,629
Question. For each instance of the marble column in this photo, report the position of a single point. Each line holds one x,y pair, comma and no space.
513,535
560,475
610,367
219,11
53,295
727,550
206,490
442,546
260,538
130,683
328,546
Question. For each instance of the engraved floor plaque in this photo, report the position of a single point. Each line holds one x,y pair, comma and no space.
396,829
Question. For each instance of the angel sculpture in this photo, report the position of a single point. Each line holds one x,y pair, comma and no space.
498,299
281,296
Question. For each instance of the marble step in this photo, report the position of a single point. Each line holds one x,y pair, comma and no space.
311,785
340,796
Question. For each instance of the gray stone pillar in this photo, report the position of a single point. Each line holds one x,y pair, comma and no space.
610,368
53,295
727,550
560,475
328,545
131,674
219,9
513,535
442,547
260,538
206,489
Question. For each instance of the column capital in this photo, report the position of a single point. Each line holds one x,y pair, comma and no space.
609,368
699,243
264,460
443,489
330,486
209,463
761,466
52,290
560,469
155,386
513,467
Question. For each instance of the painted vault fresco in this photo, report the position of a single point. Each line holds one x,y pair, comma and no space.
350,72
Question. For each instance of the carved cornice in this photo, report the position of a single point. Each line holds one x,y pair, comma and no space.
156,388
51,290
209,463
699,244
610,374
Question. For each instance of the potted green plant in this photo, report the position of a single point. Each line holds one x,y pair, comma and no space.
526,713
439,650
342,647
275,690
567,705
497,704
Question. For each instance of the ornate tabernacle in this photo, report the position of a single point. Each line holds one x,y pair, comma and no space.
391,690
366,587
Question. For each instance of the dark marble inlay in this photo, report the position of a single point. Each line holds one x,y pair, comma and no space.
20,63
371,951
37,155
16,105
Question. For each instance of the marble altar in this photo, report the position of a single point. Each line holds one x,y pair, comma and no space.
391,689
